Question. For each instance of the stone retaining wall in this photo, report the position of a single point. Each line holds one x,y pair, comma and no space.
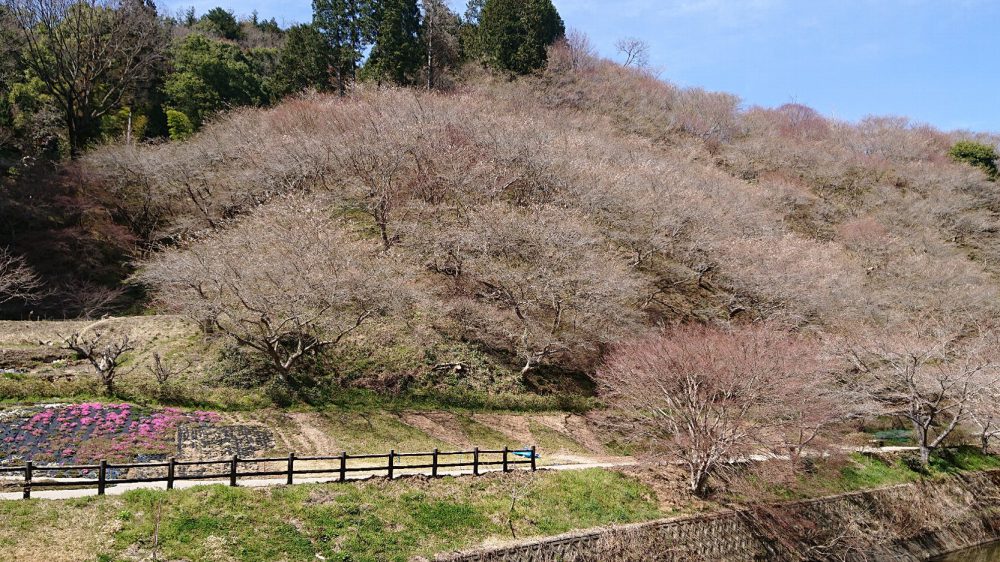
908,522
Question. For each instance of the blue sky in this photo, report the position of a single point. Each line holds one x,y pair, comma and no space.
935,61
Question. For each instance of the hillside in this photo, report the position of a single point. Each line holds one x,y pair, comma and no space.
537,221
399,281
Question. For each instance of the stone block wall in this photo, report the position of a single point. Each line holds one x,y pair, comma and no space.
908,522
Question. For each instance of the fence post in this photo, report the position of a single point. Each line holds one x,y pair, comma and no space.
475,461
102,474
291,467
27,479
392,455
171,462
505,458
533,467
434,464
343,466
232,470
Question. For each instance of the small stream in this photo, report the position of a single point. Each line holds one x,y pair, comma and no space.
985,553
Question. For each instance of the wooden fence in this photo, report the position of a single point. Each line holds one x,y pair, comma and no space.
173,470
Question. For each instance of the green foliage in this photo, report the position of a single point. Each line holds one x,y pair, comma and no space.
397,54
264,62
514,34
209,76
124,123
348,28
304,62
267,26
179,125
982,156
474,11
223,23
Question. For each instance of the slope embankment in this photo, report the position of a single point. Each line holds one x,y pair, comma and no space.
915,521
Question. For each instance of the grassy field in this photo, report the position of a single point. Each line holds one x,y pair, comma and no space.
861,471
367,521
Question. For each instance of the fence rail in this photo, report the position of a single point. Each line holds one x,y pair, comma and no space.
394,464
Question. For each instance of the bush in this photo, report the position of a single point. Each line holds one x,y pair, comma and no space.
982,156
179,125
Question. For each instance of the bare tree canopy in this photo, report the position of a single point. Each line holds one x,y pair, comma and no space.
287,282
17,280
704,396
930,377
90,54
104,351
635,52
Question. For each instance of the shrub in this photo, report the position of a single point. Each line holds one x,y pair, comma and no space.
179,125
982,156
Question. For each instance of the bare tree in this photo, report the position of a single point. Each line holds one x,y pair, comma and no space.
539,282
928,377
984,414
163,371
807,406
17,280
90,54
104,351
377,158
701,395
90,300
634,51
575,52
286,282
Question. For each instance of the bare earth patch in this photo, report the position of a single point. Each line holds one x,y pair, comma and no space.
439,425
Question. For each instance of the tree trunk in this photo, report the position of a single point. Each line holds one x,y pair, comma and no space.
699,482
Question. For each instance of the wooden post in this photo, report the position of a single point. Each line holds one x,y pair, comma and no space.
343,466
392,455
102,474
434,464
232,470
28,467
533,467
171,464
291,467
475,461
505,458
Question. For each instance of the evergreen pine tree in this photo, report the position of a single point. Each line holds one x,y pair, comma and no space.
347,27
305,61
514,34
397,54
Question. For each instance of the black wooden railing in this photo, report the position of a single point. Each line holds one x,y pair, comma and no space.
173,470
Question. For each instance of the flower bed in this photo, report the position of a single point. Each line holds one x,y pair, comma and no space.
84,433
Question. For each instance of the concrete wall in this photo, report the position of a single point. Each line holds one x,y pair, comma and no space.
908,522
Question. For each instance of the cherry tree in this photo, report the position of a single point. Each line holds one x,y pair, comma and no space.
704,396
